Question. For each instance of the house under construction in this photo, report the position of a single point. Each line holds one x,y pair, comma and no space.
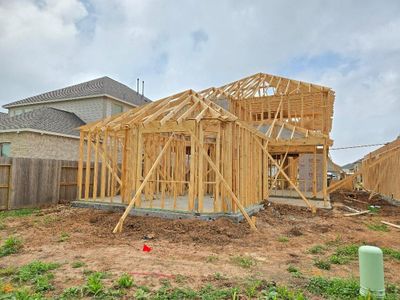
218,151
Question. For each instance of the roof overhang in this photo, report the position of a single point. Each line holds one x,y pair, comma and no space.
42,132
69,99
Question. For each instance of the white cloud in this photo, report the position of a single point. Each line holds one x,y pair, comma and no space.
352,46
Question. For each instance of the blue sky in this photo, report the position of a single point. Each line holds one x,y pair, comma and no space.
350,46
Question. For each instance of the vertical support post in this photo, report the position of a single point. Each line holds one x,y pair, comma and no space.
314,181
201,170
265,174
96,167
80,166
87,175
325,175
103,166
139,164
192,172
124,177
217,162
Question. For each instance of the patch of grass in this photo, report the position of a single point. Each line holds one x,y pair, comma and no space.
317,249
49,219
283,239
43,283
125,281
373,209
25,294
244,261
338,260
335,288
211,292
142,294
2,226
18,213
180,278
294,271
344,254
211,258
72,293
252,288
282,292
63,237
7,272
218,276
395,254
30,271
11,245
336,242
378,227
322,264
77,264
94,285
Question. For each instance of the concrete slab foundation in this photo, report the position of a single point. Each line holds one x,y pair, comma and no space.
165,213
318,203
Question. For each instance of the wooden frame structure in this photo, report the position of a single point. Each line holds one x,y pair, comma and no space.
379,172
191,152
295,116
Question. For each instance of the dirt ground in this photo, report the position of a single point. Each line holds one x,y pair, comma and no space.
195,251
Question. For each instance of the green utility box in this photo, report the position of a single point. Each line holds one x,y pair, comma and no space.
371,272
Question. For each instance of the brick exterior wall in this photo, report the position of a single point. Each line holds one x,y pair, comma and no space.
88,109
36,145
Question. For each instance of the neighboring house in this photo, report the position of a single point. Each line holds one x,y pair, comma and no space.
45,126
353,167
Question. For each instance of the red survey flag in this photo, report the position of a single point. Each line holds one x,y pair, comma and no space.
146,248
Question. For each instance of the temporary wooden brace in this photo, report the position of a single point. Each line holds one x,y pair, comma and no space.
118,227
312,207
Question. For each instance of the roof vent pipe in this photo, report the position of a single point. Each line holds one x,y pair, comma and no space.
143,88
137,86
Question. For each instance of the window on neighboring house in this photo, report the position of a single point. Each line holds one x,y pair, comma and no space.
5,149
18,112
116,109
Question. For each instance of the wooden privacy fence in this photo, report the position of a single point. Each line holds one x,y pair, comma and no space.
27,182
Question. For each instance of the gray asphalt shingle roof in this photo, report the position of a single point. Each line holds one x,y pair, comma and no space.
99,86
44,119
